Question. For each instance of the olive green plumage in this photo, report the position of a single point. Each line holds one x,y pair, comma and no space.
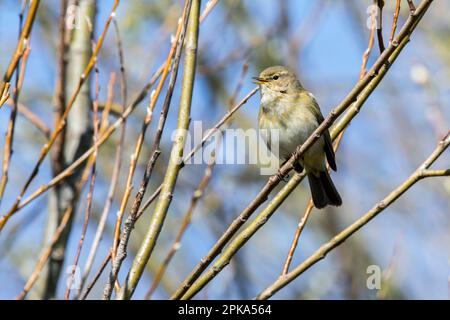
291,110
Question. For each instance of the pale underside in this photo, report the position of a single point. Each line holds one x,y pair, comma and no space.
295,123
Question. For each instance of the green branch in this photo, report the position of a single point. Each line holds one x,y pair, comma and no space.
176,157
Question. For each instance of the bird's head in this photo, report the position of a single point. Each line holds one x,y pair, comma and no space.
278,79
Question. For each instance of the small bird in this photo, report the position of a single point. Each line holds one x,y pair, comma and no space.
286,106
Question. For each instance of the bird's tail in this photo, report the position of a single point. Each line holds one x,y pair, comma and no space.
323,191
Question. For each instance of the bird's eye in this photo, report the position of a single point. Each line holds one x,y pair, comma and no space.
275,77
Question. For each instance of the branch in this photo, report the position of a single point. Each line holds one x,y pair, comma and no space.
208,7
298,232
21,44
87,213
420,173
175,160
60,89
355,99
5,95
73,139
34,119
412,8
104,137
9,138
97,276
112,188
394,21
380,4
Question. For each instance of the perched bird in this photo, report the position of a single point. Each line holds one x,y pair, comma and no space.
286,106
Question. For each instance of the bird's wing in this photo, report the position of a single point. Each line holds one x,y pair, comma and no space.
328,147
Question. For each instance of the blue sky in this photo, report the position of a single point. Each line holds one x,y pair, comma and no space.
388,139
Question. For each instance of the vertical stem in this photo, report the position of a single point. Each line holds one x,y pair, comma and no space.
60,90
9,139
77,139
380,4
176,157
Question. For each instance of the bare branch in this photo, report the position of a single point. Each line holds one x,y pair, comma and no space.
298,232
394,21
412,8
380,4
21,45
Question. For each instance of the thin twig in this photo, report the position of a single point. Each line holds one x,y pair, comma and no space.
45,255
97,276
305,217
33,118
298,232
55,238
116,168
395,20
21,44
60,89
104,137
111,191
379,23
412,8
8,148
87,213
208,8
5,95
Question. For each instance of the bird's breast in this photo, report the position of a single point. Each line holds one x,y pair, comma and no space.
285,125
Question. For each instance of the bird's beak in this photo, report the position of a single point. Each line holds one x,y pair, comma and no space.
259,80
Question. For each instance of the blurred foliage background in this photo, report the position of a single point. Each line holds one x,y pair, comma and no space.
324,42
